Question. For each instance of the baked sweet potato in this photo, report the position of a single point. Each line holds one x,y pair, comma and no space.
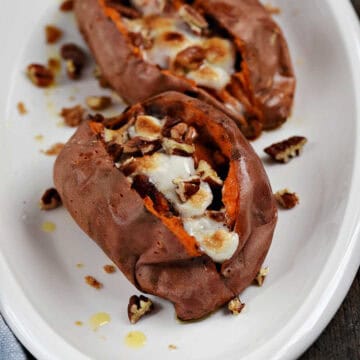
175,196
230,53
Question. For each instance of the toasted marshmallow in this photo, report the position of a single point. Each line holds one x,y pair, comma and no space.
213,77
148,127
214,238
119,136
148,7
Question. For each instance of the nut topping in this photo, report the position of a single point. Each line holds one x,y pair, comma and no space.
218,216
187,188
138,307
75,60
52,34
67,5
183,133
194,19
50,199
235,306
109,269
173,147
261,275
141,145
91,281
98,103
40,75
287,199
189,59
73,116
285,150
208,174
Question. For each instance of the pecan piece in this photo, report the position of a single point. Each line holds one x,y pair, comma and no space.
98,103
128,167
73,116
140,145
261,275
287,199
50,199
235,306
183,133
283,151
52,34
21,108
138,307
54,65
173,147
91,281
193,18
67,5
109,269
189,59
187,188
208,174
140,40
216,215
75,59
40,75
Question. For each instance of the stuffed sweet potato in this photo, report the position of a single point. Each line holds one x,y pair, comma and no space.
229,52
175,196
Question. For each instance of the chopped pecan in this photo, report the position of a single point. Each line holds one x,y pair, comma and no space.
100,77
91,281
67,5
40,75
216,215
235,306
95,117
53,34
193,18
128,167
75,59
54,149
287,199
140,145
179,131
186,188
73,116
98,102
109,269
21,108
261,275
50,199
140,40
189,59
138,307
283,151
208,174
54,65
173,147
115,150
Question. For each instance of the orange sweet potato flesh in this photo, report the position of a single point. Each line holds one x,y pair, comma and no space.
152,253
265,85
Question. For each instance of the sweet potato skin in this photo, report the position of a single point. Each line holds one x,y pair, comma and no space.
101,201
271,79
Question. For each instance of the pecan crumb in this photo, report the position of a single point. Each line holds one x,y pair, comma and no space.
40,75
75,59
287,199
53,150
21,108
138,307
91,281
50,199
67,5
193,18
73,116
54,65
235,306
172,347
261,275
98,103
272,10
284,150
186,188
109,269
52,34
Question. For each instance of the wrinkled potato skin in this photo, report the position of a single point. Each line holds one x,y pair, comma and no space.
101,201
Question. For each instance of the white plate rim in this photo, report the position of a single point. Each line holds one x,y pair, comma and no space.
318,309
